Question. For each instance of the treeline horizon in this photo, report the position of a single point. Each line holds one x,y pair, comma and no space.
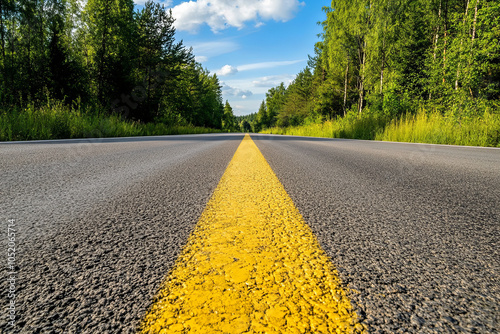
389,58
107,57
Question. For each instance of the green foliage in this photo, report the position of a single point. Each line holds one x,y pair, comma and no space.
110,59
297,104
353,126
245,126
247,123
108,29
56,120
275,100
228,120
382,61
423,127
159,61
435,128
262,121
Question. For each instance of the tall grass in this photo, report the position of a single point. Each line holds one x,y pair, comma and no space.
435,128
423,127
352,127
58,121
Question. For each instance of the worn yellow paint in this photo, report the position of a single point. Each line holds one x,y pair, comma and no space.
252,265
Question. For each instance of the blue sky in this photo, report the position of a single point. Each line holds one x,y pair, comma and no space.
252,45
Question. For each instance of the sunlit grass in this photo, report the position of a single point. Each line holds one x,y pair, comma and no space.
352,126
58,121
423,127
439,129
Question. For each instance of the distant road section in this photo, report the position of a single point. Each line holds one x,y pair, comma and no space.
413,230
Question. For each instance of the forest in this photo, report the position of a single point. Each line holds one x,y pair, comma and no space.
101,68
402,70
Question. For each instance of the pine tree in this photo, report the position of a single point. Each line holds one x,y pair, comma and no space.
7,45
228,119
159,57
275,100
109,32
261,119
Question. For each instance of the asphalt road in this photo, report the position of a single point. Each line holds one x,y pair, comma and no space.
412,229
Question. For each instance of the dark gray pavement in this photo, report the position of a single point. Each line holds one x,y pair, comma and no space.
101,223
413,229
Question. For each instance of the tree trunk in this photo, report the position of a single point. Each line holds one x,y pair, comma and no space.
362,80
436,38
30,75
100,87
444,56
445,40
345,87
461,44
41,68
2,32
382,67
474,25
148,97
472,40
12,52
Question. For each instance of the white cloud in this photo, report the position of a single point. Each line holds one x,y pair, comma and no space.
270,64
215,47
227,70
257,85
273,81
201,59
236,92
245,107
230,70
222,14
205,50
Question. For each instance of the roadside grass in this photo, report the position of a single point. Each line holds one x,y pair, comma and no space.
422,127
58,121
434,128
351,127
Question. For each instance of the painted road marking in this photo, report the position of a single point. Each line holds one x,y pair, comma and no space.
252,265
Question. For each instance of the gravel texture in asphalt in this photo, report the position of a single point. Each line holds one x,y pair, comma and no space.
99,225
413,229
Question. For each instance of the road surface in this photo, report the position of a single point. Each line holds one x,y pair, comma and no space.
413,230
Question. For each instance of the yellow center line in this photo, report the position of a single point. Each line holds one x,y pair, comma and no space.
251,265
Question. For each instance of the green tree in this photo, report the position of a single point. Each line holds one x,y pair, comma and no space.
66,76
261,121
228,119
245,126
106,57
298,104
29,49
158,57
193,96
275,100
392,56
109,40
8,20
